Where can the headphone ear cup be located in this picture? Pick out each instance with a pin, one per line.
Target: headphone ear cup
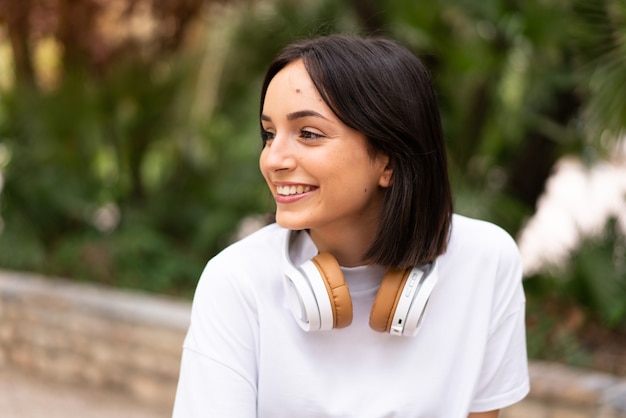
(387, 299)
(337, 288)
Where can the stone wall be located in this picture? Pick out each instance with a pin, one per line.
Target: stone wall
(131, 342)
(558, 391)
(92, 335)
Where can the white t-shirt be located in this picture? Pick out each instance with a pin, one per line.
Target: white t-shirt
(245, 355)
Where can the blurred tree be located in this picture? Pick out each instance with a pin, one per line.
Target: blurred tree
(100, 180)
(94, 33)
(15, 16)
(139, 157)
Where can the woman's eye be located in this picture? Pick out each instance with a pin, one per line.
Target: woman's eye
(305, 134)
(266, 136)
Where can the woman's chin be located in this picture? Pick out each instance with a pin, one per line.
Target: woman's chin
(290, 222)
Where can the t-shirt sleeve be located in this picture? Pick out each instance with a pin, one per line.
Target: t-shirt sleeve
(504, 375)
(218, 366)
(207, 388)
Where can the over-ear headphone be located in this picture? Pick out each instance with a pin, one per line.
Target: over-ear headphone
(319, 298)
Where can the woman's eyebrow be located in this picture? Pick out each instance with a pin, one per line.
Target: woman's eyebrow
(297, 115)
(304, 114)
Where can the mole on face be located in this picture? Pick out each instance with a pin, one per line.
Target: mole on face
(298, 91)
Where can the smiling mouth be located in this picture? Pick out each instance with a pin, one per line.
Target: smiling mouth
(292, 190)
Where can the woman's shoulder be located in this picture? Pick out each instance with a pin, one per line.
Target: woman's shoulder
(475, 235)
(246, 263)
(263, 244)
(487, 257)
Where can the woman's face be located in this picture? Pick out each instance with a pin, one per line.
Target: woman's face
(318, 169)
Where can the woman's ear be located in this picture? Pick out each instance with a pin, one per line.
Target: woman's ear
(385, 177)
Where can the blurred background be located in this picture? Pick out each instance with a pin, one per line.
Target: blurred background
(129, 139)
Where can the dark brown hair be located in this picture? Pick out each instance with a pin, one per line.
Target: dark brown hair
(380, 88)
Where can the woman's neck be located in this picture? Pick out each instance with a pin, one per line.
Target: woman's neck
(348, 246)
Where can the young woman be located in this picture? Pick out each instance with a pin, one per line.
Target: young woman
(367, 297)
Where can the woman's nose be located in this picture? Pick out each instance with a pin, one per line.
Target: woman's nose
(278, 154)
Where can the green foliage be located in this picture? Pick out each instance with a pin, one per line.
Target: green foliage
(589, 292)
(599, 31)
(548, 335)
(596, 276)
(520, 84)
(118, 146)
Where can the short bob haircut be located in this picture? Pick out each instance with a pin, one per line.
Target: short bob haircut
(381, 89)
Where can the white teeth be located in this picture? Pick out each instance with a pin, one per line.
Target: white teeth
(290, 190)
